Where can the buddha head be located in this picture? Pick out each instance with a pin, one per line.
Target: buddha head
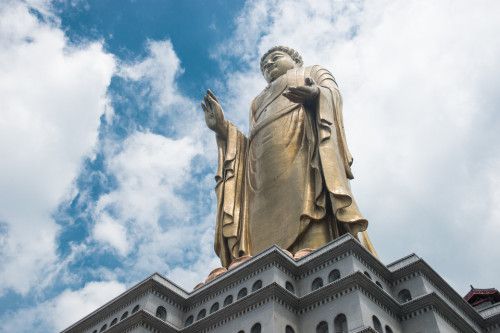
(277, 61)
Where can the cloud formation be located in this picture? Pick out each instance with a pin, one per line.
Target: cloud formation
(153, 215)
(51, 98)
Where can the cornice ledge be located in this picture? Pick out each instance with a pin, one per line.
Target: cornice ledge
(354, 281)
(110, 307)
(430, 274)
(271, 255)
(493, 319)
(272, 291)
(364, 330)
(442, 307)
(122, 300)
(337, 247)
(144, 319)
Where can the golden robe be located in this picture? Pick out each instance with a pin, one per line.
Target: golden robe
(287, 183)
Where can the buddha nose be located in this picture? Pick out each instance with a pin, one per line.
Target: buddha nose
(268, 63)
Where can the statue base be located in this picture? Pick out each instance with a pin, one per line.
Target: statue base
(339, 287)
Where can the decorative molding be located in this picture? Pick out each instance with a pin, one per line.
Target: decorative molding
(445, 301)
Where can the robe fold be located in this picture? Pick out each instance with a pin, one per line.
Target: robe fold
(288, 182)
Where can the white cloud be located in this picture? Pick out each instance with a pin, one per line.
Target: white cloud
(159, 70)
(152, 215)
(150, 169)
(63, 310)
(51, 98)
(109, 231)
(419, 110)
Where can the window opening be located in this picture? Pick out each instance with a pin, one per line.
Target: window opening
(257, 285)
(214, 307)
(340, 323)
(189, 321)
(322, 327)
(376, 324)
(242, 293)
(317, 283)
(228, 300)
(161, 313)
(404, 296)
(334, 275)
(256, 328)
(201, 314)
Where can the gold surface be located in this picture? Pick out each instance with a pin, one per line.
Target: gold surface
(287, 183)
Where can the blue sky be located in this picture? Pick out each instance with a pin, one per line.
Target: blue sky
(107, 165)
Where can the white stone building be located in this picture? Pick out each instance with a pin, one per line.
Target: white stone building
(340, 287)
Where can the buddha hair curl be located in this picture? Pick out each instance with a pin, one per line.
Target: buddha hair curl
(291, 52)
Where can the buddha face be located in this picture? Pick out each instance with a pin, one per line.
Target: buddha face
(276, 64)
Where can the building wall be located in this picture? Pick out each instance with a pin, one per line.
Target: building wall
(175, 315)
(282, 317)
(344, 265)
(424, 323)
(360, 301)
(141, 303)
(369, 271)
(348, 304)
(369, 308)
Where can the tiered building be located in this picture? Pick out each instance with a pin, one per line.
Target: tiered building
(340, 287)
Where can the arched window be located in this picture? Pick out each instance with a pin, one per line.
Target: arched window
(95, 331)
(289, 329)
(161, 313)
(289, 287)
(103, 328)
(322, 327)
(367, 274)
(242, 293)
(256, 328)
(334, 275)
(201, 314)
(189, 321)
(388, 329)
(376, 325)
(241, 331)
(114, 321)
(257, 285)
(317, 283)
(379, 284)
(228, 300)
(135, 309)
(404, 296)
(340, 323)
(125, 315)
(214, 307)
